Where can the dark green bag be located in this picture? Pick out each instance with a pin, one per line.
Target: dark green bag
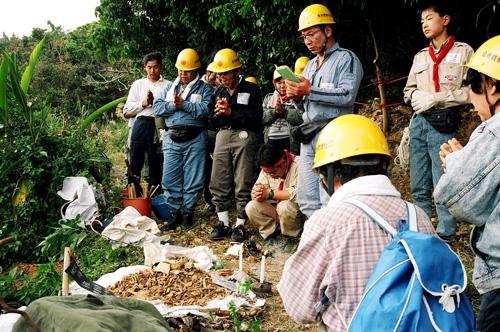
(92, 313)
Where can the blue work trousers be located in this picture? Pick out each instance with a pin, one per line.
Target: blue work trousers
(426, 170)
(184, 171)
(310, 195)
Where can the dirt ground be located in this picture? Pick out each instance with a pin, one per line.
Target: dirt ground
(274, 316)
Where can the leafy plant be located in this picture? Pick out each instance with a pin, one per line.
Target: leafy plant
(20, 288)
(38, 150)
(233, 315)
(70, 233)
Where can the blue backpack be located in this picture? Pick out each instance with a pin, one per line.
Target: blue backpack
(417, 285)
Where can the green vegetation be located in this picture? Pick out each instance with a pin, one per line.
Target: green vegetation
(53, 124)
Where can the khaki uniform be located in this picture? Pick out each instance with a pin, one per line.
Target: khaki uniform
(263, 214)
(451, 73)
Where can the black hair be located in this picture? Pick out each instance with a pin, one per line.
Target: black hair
(345, 173)
(269, 154)
(475, 81)
(442, 7)
(151, 57)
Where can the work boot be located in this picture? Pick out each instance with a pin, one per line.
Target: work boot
(239, 234)
(175, 220)
(220, 232)
(187, 221)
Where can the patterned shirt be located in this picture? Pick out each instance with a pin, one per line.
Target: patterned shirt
(338, 251)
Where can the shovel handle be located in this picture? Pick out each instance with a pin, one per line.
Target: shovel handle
(7, 240)
(129, 168)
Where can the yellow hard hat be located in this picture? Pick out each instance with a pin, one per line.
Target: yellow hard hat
(277, 75)
(300, 65)
(252, 80)
(348, 136)
(226, 60)
(188, 59)
(315, 15)
(210, 66)
(487, 58)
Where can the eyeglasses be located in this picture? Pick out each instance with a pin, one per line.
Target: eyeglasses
(224, 74)
(322, 182)
(275, 170)
(309, 36)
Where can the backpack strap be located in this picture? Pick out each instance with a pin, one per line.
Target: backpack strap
(379, 220)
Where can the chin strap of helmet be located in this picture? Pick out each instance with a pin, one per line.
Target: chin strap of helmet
(330, 179)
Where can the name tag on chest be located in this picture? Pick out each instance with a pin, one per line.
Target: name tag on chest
(453, 57)
(243, 98)
(195, 99)
(326, 86)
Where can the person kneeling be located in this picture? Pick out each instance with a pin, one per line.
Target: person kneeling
(274, 208)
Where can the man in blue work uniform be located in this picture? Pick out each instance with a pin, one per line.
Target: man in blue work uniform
(184, 105)
(328, 89)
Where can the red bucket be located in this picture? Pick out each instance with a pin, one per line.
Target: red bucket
(123, 194)
(142, 205)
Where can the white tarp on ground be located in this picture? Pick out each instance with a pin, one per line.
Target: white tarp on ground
(112, 278)
(201, 255)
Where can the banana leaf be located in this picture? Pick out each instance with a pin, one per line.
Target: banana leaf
(26, 79)
(4, 70)
(101, 110)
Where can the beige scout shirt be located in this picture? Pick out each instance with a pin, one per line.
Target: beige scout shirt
(290, 182)
(451, 73)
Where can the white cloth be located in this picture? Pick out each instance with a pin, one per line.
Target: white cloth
(7, 321)
(366, 185)
(81, 198)
(129, 227)
(112, 278)
(170, 93)
(202, 255)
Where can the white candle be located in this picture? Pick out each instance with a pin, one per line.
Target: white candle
(262, 264)
(241, 257)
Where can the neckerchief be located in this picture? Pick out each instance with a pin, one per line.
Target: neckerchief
(437, 60)
(289, 158)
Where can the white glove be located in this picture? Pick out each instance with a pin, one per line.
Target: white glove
(421, 101)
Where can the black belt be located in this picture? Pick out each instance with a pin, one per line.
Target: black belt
(146, 118)
(186, 127)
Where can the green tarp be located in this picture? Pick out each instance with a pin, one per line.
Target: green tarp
(92, 313)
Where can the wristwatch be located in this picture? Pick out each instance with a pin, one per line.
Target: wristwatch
(271, 194)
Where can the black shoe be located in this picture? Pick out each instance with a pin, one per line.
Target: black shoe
(175, 220)
(239, 234)
(187, 221)
(220, 232)
(448, 239)
(276, 232)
